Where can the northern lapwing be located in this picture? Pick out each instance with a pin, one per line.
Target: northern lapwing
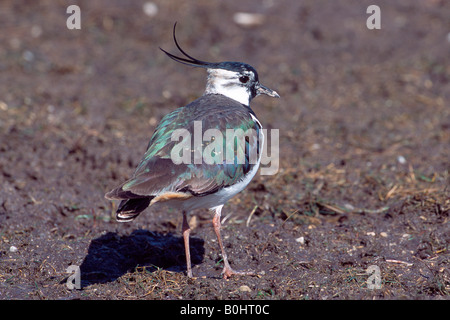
(190, 185)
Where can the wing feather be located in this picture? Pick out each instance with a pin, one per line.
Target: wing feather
(157, 173)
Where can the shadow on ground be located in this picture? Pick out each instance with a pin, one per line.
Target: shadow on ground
(111, 255)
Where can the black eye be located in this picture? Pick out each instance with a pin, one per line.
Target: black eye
(243, 79)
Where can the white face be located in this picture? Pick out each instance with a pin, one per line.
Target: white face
(231, 84)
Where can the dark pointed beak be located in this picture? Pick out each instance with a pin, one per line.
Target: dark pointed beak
(260, 89)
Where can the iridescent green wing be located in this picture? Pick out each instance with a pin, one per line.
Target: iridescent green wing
(157, 172)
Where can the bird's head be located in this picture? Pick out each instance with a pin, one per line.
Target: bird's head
(236, 80)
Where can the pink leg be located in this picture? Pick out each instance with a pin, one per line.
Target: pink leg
(186, 230)
(227, 271)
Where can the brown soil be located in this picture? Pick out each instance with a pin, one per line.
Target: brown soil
(364, 124)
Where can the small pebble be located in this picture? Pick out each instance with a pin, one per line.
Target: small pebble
(401, 159)
(245, 288)
(300, 240)
(383, 234)
(150, 9)
(28, 56)
(248, 19)
(13, 249)
(36, 31)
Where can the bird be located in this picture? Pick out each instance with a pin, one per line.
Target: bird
(191, 185)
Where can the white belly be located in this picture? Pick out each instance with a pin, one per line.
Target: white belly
(220, 197)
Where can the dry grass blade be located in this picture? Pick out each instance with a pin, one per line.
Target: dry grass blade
(250, 215)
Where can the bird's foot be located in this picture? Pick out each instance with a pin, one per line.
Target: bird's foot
(228, 272)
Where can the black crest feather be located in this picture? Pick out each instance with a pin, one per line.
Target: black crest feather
(190, 61)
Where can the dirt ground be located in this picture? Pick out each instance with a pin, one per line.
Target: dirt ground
(363, 178)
